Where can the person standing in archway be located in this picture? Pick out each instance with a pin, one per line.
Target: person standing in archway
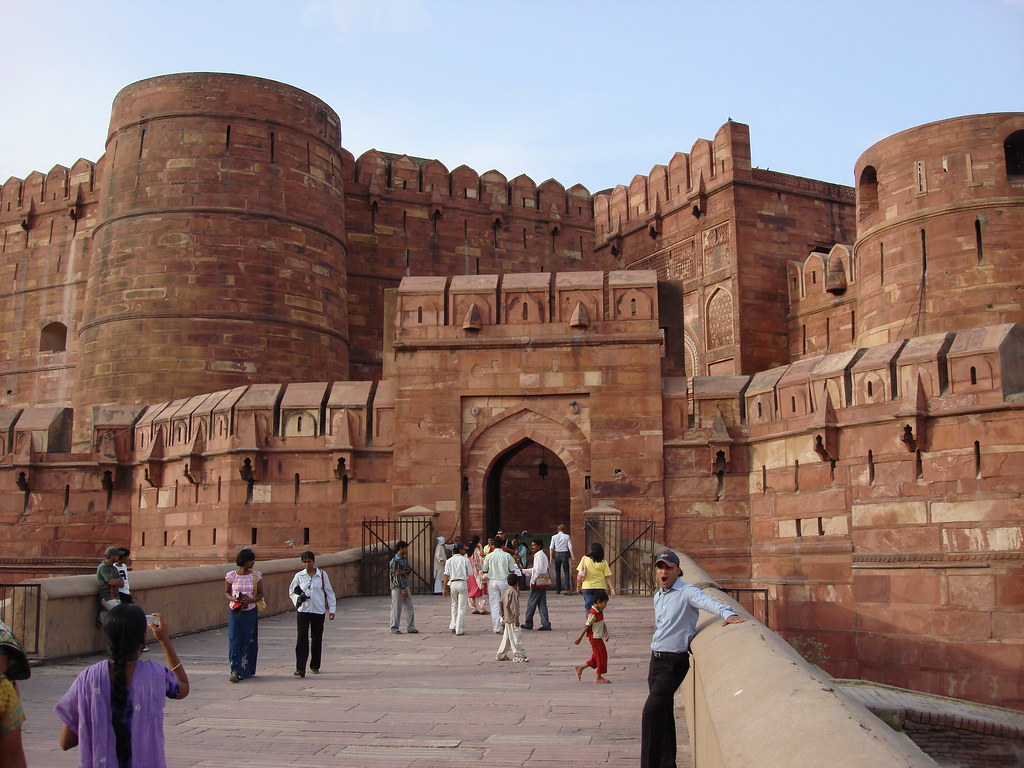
(540, 580)
(562, 555)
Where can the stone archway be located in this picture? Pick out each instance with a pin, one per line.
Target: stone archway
(509, 442)
(527, 490)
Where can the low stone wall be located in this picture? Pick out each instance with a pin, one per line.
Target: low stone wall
(751, 700)
(190, 599)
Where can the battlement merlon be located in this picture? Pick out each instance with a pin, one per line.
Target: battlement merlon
(526, 305)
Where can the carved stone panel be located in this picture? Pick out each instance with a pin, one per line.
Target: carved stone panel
(717, 243)
(682, 265)
(719, 320)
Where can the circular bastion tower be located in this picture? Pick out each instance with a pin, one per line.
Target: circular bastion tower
(940, 209)
(219, 255)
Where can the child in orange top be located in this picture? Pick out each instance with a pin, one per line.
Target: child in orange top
(596, 629)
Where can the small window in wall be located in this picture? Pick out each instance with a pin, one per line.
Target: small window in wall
(305, 537)
(1014, 150)
(867, 191)
(920, 178)
(253, 542)
(53, 338)
(977, 242)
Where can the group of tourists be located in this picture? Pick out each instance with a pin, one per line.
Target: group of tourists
(114, 709)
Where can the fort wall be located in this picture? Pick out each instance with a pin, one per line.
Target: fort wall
(198, 267)
(940, 213)
(46, 222)
(412, 216)
(724, 231)
(229, 331)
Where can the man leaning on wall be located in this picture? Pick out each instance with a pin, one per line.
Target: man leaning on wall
(108, 581)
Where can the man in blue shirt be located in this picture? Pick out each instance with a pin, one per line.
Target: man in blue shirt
(676, 606)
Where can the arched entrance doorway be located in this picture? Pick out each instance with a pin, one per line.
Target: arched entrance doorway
(527, 490)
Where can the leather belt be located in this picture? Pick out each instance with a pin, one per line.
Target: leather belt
(667, 654)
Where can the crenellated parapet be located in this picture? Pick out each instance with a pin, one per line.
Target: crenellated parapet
(683, 183)
(405, 179)
(36, 200)
(494, 306)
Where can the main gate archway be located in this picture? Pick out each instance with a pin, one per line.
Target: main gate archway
(527, 490)
(515, 443)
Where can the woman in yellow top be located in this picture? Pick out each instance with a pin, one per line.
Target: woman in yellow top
(594, 575)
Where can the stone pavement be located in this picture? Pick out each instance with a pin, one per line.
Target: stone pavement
(430, 699)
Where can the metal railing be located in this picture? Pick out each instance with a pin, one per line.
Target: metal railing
(379, 537)
(19, 610)
(628, 546)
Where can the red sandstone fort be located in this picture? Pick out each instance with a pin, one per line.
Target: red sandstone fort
(229, 331)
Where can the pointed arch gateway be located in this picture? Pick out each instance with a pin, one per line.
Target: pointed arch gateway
(507, 486)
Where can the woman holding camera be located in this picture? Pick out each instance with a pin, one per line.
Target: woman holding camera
(244, 588)
(114, 711)
(312, 595)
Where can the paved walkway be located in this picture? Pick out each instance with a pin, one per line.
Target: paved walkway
(430, 699)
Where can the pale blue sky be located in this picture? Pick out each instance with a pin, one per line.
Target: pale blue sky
(583, 92)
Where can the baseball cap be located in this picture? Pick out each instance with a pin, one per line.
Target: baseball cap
(668, 556)
(459, 546)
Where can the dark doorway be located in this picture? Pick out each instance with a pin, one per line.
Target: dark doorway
(527, 490)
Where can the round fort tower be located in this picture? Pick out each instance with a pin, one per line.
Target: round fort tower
(219, 256)
(940, 209)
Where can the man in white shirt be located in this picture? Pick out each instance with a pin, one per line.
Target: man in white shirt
(122, 564)
(498, 565)
(313, 596)
(562, 556)
(457, 570)
(538, 599)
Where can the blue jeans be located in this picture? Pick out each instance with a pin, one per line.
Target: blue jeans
(243, 642)
(562, 564)
(588, 598)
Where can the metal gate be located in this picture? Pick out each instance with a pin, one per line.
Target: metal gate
(628, 548)
(379, 538)
(19, 610)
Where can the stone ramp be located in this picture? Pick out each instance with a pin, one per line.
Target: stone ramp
(430, 699)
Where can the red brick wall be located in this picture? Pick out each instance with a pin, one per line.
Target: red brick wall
(219, 252)
(939, 189)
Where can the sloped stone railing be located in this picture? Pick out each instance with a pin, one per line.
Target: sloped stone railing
(752, 700)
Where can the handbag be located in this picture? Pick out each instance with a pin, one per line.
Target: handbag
(543, 580)
(261, 601)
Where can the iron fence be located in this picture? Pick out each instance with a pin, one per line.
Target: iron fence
(379, 539)
(628, 548)
(19, 610)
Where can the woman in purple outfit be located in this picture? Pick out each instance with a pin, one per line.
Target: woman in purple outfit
(114, 711)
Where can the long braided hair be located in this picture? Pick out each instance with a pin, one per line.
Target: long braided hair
(125, 630)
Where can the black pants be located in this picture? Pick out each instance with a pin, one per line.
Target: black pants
(309, 624)
(658, 725)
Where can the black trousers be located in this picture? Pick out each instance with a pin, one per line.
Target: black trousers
(658, 725)
(309, 624)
